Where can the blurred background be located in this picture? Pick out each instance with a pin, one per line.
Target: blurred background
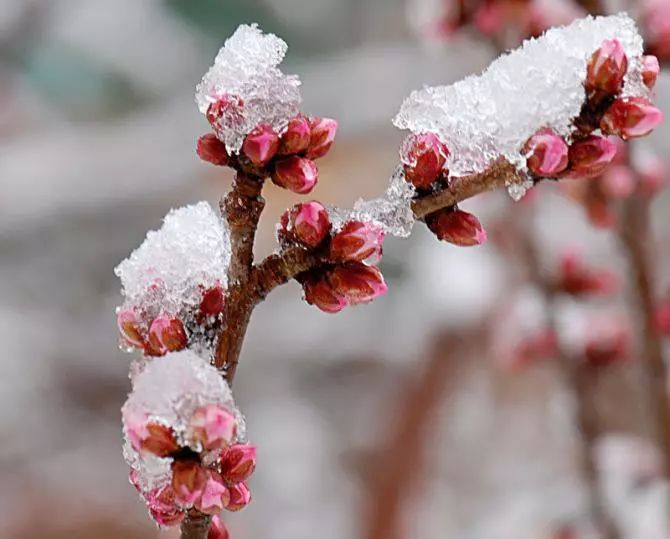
(402, 419)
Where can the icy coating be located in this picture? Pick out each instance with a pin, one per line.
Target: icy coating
(540, 84)
(245, 71)
(169, 390)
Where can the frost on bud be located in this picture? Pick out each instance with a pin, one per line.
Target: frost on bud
(297, 136)
(240, 496)
(238, 462)
(607, 68)
(213, 301)
(212, 150)
(423, 157)
(358, 282)
(320, 293)
(607, 344)
(163, 507)
(150, 436)
(188, 481)
(576, 279)
(296, 174)
(218, 529)
(128, 327)
(167, 335)
(650, 70)
(215, 495)
(457, 227)
(322, 136)
(590, 156)
(548, 154)
(212, 427)
(631, 117)
(261, 145)
(308, 223)
(357, 241)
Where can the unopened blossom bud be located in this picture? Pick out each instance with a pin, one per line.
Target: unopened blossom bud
(576, 279)
(238, 462)
(618, 181)
(261, 145)
(320, 293)
(357, 241)
(151, 436)
(163, 507)
(607, 68)
(240, 496)
(215, 495)
(322, 136)
(297, 136)
(188, 481)
(424, 157)
(650, 70)
(457, 227)
(127, 322)
(217, 529)
(358, 282)
(662, 318)
(631, 117)
(213, 427)
(307, 222)
(167, 335)
(590, 156)
(213, 301)
(212, 150)
(297, 174)
(548, 154)
(607, 345)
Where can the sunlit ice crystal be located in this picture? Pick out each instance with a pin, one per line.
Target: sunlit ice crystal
(245, 70)
(168, 391)
(539, 85)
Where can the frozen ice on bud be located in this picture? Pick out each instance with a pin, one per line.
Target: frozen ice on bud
(127, 322)
(213, 427)
(307, 222)
(577, 279)
(320, 293)
(662, 318)
(237, 463)
(358, 282)
(150, 436)
(167, 335)
(218, 529)
(322, 136)
(650, 70)
(297, 174)
(213, 301)
(240, 496)
(297, 136)
(547, 154)
(356, 241)
(215, 495)
(607, 68)
(261, 145)
(163, 507)
(212, 150)
(456, 226)
(590, 156)
(631, 117)
(189, 479)
(423, 157)
(608, 342)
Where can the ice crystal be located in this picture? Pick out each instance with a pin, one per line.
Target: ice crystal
(540, 84)
(245, 72)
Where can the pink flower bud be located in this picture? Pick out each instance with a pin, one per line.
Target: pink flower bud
(261, 145)
(215, 495)
(307, 222)
(356, 241)
(590, 156)
(424, 157)
(129, 328)
(212, 150)
(358, 282)
(188, 481)
(240, 496)
(323, 132)
(163, 507)
(218, 529)
(213, 301)
(238, 462)
(167, 335)
(607, 68)
(607, 344)
(548, 154)
(618, 181)
(457, 227)
(650, 70)
(320, 293)
(212, 427)
(296, 174)
(662, 318)
(576, 279)
(297, 136)
(631, 117)
(150, 436)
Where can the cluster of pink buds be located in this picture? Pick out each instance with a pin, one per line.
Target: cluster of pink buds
(577, 279)
(208, 470)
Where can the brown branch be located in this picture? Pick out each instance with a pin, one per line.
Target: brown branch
(195, 525)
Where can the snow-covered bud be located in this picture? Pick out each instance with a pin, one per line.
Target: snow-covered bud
(307, 222)
(213, 301)
(238, 462)
(607, 344)
(215, 495)
(240, 496)
(576, 279)
(297, 136)
(548, 154)
(213, 427)
(424, 157)
(590, 156)
(163, 507)
(218, 529)
(226, 109)
(129, 329)
(457, 227)
(358, 282)
(212, 150)
(188, 481)
(650, 70)
(297, 174)
(607, 68)
(151, 436)
(357, 241)
(167, 335)
(322, 136)
(320, 293)
(631, 117)
(662, 318)
(261, 145)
